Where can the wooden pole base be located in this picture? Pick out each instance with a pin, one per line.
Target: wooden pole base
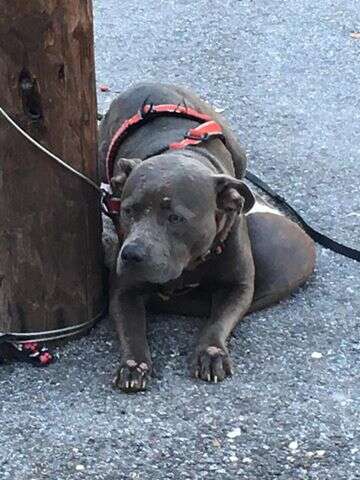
(50, 232)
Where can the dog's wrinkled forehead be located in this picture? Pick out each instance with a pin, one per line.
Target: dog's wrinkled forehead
(173, 180)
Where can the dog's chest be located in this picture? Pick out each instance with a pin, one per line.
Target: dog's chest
(166, 292)
(182, 285)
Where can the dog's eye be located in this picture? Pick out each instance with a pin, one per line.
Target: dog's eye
(175, 219)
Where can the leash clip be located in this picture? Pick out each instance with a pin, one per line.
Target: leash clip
(110, 204)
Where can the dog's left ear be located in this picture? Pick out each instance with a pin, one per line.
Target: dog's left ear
(233, 195)
(122, 169)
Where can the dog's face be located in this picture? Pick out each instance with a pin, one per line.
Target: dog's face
(170, 213)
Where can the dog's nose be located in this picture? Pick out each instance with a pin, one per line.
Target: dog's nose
(133, 253)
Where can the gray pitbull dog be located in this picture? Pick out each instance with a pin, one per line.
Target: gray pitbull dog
(189, 239)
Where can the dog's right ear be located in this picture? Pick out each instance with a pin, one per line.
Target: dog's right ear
(122, 169)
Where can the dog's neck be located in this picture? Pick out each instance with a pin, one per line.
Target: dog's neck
(225, 225)
(201, 154)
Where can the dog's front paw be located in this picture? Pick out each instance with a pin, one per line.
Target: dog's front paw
(211, 364)
(132, 376)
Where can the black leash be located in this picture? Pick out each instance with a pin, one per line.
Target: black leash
(318, 237)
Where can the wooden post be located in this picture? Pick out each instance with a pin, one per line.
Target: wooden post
(50, 240)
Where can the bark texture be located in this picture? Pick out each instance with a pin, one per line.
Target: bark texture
(50, 238)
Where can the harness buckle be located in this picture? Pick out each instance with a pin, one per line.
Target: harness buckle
(204, 131)
(192, 135)
(110, 205)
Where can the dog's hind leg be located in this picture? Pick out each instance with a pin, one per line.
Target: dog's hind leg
(284, 257)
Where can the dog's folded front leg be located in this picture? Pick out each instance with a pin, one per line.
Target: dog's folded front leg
(128, 311)
(211, 360)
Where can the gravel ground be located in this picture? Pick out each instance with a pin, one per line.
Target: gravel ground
(287, 76)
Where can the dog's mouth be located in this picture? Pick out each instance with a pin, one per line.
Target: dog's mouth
(152, 272)
(158, 263)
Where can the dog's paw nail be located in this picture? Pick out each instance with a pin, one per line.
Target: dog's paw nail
(212, 364)
(132, 376)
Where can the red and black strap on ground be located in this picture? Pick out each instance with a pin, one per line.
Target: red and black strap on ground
(30, 352)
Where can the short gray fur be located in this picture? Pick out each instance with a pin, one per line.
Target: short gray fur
(287, 75)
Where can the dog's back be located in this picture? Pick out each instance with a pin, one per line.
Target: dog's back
(158, 132)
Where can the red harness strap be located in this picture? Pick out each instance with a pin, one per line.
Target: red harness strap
(199, 134)
(208, 129)
(205, 131)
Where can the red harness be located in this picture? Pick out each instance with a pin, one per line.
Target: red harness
(207, 130)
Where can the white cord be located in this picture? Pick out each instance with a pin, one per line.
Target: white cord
(50, 154)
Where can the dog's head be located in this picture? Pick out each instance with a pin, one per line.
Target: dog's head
(172, 210)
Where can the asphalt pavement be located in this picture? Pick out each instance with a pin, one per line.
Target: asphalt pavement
(286, 75)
